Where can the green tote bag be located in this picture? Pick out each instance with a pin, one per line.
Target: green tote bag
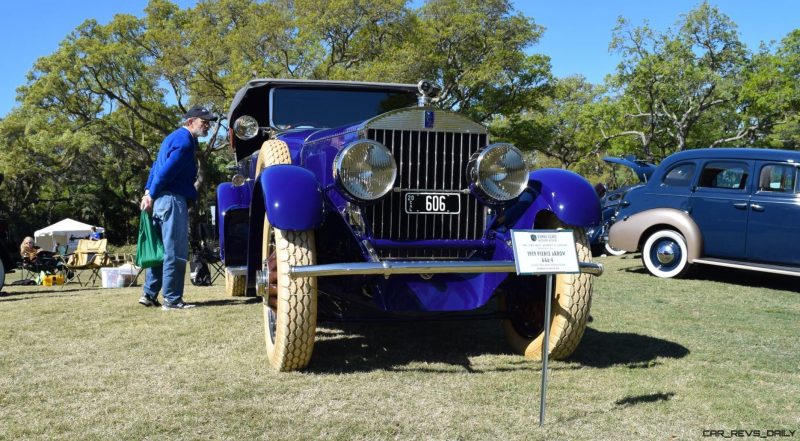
(149, 248)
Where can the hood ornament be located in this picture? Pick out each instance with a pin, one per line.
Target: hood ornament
(428, 90)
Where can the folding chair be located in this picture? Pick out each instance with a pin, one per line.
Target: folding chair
(209, 250)
(215, 266)
(90, 255)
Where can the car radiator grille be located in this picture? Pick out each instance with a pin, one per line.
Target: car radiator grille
(427, 161)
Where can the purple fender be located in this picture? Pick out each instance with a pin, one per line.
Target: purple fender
(292, 197)
(568, 195)
(229, 199)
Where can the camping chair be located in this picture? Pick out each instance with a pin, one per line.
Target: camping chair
(209, 257)
(45, 262)
(90, 255)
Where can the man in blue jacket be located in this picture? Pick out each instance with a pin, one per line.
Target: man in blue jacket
(169, 187)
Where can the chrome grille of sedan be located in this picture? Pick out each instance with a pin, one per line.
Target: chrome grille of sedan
(427, 161)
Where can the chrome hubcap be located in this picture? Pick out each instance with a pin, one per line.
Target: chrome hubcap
(262, 282)
(666, 253)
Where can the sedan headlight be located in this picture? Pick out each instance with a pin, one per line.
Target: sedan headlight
(365, 169)
(498, 172)
(245, 127)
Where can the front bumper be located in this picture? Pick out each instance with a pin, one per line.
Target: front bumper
(389, 268)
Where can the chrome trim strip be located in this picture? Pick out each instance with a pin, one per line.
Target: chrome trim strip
(387, 268)
(326, 138)
(766, 268)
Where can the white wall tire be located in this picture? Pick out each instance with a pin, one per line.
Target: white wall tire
(665, 254)
(570, 309)
(613, 251)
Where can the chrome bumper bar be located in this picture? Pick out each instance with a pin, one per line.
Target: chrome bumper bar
(389, 268)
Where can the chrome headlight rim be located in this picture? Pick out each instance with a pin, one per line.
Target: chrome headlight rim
(340, 175)
(246, 127)
(238, 180)
(497, 195)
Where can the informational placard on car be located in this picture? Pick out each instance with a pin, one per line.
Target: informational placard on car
(544, 251)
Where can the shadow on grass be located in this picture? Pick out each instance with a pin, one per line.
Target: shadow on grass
(39, 291)
(379, 346)
(639, 399)
(226, 302)
(364, 347)
(734, 276)
(605, 349)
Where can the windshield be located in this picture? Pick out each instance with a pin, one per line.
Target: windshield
(293, 107)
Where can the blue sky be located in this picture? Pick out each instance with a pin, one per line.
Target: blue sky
(576, 37)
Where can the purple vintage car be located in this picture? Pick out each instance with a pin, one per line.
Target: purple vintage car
(360, 200)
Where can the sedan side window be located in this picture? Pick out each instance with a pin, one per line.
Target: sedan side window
(724, 174)
(778, 178)
(680, 176)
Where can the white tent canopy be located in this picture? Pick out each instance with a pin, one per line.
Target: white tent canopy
(66, 231)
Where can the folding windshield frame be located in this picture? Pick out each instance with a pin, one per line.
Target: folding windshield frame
(336, 103)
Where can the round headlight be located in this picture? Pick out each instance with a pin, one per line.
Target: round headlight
(499, 172)
(366, 169)
(245, 127)
(238, 180)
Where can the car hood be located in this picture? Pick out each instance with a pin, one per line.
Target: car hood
(642, 168)
(410, 118)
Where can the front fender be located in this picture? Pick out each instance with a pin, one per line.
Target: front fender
(292, 197)
(232, 197)
(566, 194)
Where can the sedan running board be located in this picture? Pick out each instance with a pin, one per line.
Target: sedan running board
(751, 266)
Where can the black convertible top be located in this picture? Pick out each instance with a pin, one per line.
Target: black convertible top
(262, 83)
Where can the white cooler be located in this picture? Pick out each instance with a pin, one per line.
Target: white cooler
(111, 278)
(119, 277)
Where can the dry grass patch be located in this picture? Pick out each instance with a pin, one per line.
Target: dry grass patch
(661, 359)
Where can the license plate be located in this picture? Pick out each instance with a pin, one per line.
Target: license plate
(433, 203)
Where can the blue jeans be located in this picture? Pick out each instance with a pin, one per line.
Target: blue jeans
(171, 218)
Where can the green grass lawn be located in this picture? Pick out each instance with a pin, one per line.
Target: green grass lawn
(661, 359)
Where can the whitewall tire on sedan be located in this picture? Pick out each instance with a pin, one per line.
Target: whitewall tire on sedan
(665, 254)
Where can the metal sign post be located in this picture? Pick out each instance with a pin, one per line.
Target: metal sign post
(545, 252)
(545, 346)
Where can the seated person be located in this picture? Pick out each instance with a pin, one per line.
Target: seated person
(95, 235)
(37, 259)
(28, 250)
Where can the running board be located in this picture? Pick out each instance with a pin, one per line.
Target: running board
(763, 267)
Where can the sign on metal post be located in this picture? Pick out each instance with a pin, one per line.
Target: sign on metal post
(546, 252)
